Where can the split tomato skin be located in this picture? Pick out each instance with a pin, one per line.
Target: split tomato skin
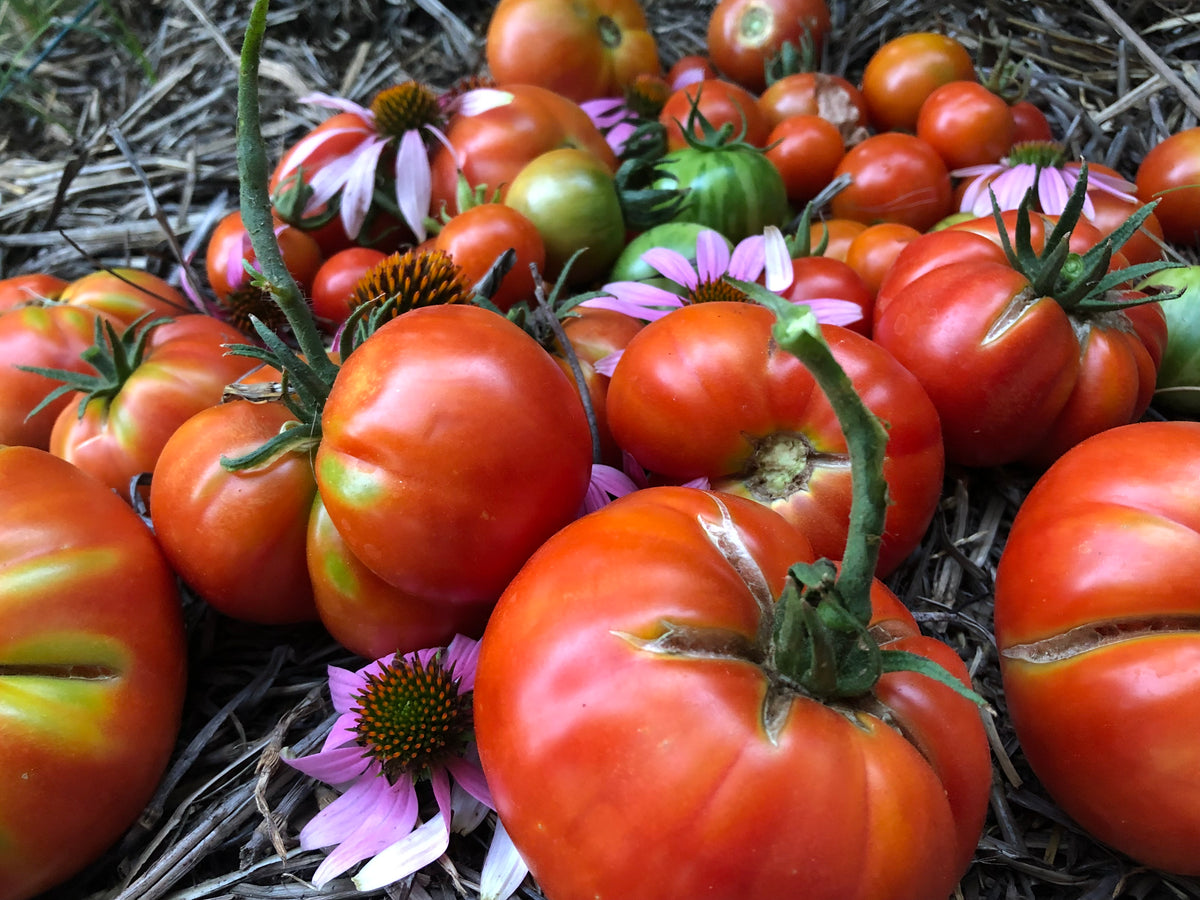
(608, 760)
(452, 446)
(1095, 623)
(85, 590)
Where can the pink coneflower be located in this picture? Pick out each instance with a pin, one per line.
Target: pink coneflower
(711, 279)
(1038, 165)
(403, 720)
(404, 117)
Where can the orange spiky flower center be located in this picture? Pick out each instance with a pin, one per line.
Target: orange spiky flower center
(717, 291)
(413, 279)
(405, 107)
(410, 717)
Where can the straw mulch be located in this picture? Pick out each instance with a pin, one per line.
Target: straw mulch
(117, 148)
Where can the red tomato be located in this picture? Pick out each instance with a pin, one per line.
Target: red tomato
(704, 392)
(905, 70)
(896, 177)
(229, 247)
(1095, 613)
(21, 290)
(582, 49)
(872, 252)
(626, 708)
(966, 124)
(816, 277)
(452, 432)
(126, 294)
(1110, 212)
(370, 617)
(1015, 375)
(476, 237)
(220, 527)
(721, 102)
(744, 35)
(689, 69)
(493, 146)
(46, 337)
(333, 285)
(1029, 123)
(185, 369)
(831, 97)
(92, 669)
(807, 151)
(1170, 173)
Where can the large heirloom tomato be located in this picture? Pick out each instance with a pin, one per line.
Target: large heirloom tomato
(92, 669)
(1020, 365)
(36, 287)
(582, 49)
(238, 538)
(744, 35)
(125, 294)
(1096, 612)
(1170, 174)
(453, 445)
(639, 742)
(705, 392)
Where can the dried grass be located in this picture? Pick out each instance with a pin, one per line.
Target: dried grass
(73, 128)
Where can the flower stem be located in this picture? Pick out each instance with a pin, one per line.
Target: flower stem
(256, 202)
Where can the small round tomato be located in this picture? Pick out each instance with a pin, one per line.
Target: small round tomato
(905, 70)
(92, 670)
(476, 237)
(229, 249)
(452, 433)
(704, 392)
(817, 277)
(489, 148)
(21, 290)
(582, 49)
(1029, 123)
(1170, 174)
(125, 294)
(1095, 618)
(722, 103)
(895, 177)
(689, 69)
(744, 35)
(218, 526)
(872, 252)
(834, 236)
(333, 284)
(807, 151)
(966, 124)
(571, 199)
(831, 97)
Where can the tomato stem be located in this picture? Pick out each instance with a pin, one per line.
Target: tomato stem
(256, 203)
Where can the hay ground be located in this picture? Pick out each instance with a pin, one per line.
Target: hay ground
(117, 148)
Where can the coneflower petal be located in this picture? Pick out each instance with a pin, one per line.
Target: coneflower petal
(414, 184)
(319, 98)
(360, 186)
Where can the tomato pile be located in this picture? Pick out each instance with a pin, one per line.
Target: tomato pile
(511, 360)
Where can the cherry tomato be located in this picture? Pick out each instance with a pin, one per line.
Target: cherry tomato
(1170, 174)
(21, 290)
(722, 103)
(905, 70)
(582, 49)
(229, 247)
(816, 277)
(626, 708)
(837, 234)
(688, 70)
(831, 97)
(1029, 123)
(743, 35)
(1095, 623)
(333, 284)
(872, 252)
(92, 670)
(966, 124)
(216, 525)
(476, 237)
(807, 151)
(703, 392)
(896, 177)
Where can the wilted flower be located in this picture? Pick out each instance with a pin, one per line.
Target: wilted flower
(404, 720)
(1037, 165)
